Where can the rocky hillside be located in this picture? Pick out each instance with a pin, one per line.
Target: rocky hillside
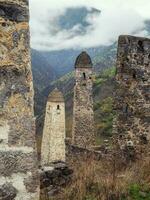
(42, 70)
(45, 74)
(103, 60)
(51, 65)
(103, 100)
(55, 68)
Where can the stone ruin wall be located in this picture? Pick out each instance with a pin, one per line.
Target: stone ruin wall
(132, 98)
(18, 164)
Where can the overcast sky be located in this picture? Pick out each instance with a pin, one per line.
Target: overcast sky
(117, 17)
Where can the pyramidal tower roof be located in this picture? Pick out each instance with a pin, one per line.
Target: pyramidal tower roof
(83, 61)
(56, 96)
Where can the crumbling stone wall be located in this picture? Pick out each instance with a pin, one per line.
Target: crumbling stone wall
(132, 98)
(83, 115)
(53, 141)
(76, 154)
(18, 163)
(55, 178)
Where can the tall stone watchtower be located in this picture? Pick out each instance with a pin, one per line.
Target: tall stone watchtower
(18, 156)
(132, 99)
(83, 115)
(53, 142)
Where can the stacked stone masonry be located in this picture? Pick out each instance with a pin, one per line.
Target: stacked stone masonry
(132, 99)
(18, 163)
(83, 115)
(53, 141)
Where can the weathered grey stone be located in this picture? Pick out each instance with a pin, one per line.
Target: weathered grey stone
(13, 12)
(7, 192)
(53, 179)
(83, 115)
(13, 162)
(52, 192)
(132, 98)
(76, 153)
(18, 157)
(83, 60)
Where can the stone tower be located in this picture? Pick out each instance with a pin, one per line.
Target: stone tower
(83, 115)
(53, 142)
(132, 99)
(18, 159)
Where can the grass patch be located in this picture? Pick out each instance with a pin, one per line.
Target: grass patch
(109, 179)
(104, 118)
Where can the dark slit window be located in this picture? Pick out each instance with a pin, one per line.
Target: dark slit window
(3, 24)
(84, 75)
(140, 46)
(134, 75)
(58, 107)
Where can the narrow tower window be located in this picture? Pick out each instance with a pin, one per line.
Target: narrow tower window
(140, 46)
(84, 75)
(3, 24)
(58, 107)
(134, 75)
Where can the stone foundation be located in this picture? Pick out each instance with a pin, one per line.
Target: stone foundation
(53, 178)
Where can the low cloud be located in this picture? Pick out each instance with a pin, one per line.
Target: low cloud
(113, 21)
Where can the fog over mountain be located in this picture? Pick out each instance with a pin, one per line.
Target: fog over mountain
(80, 24)
(61, 33)
(75, 22)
